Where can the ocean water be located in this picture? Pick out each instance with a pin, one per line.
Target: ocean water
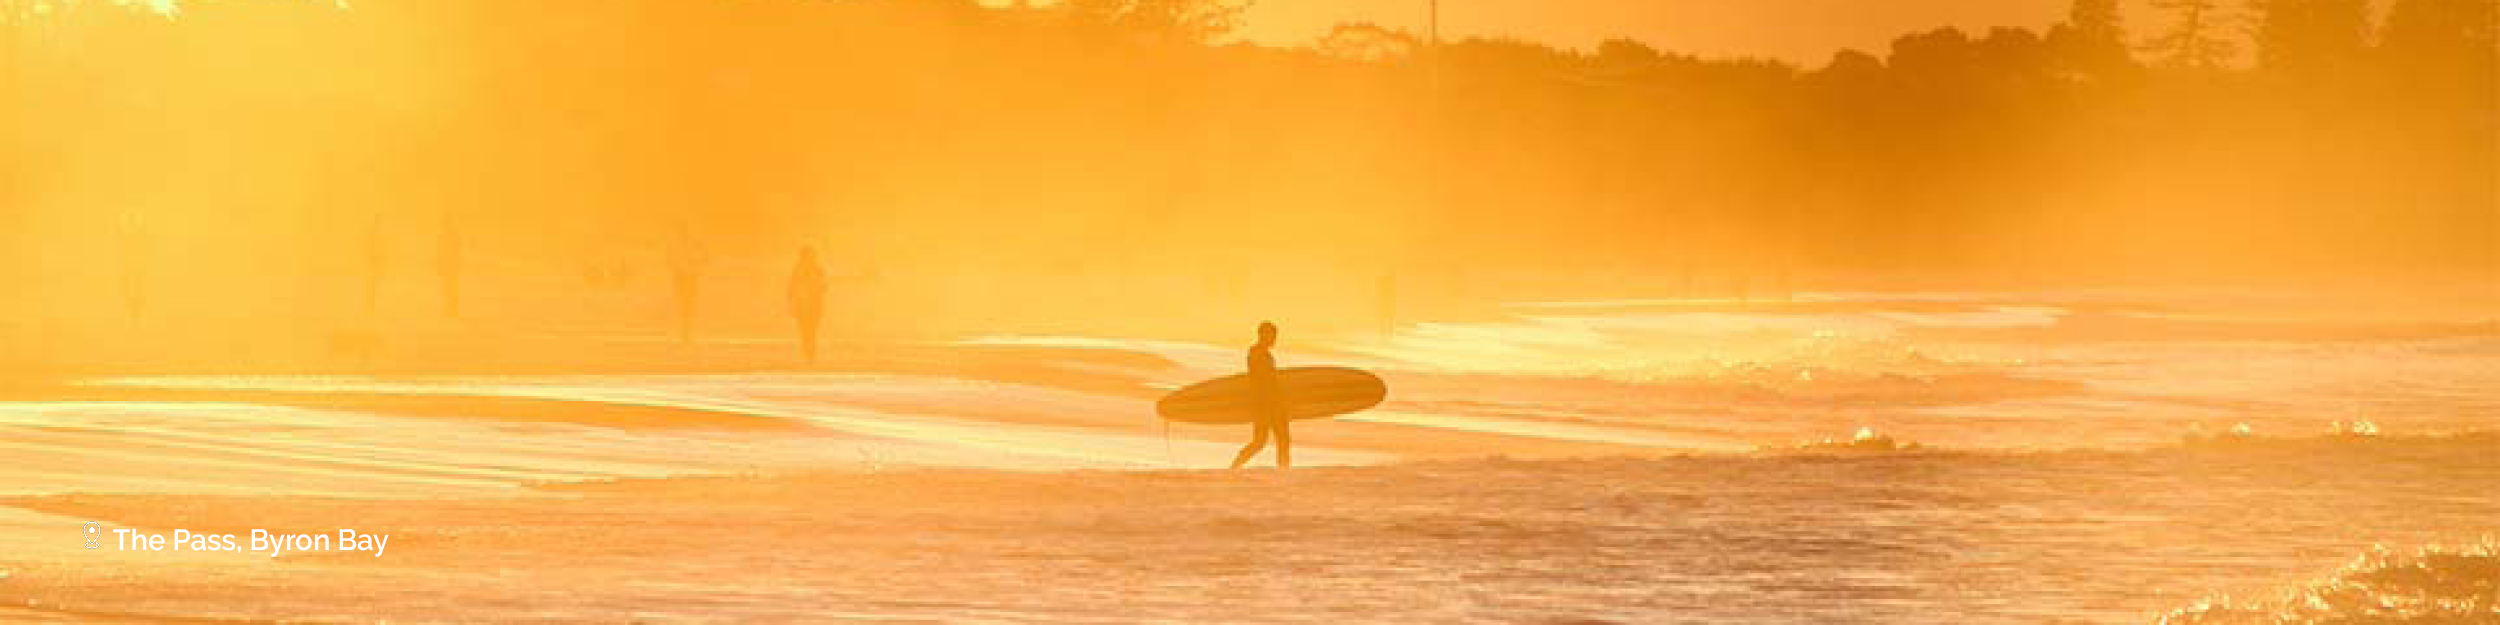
(2066, 537)
(1836, 458)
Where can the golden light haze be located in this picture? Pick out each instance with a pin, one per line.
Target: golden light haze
(1178, 311)
(247, 167)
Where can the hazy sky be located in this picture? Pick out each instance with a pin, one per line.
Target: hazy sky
(1806, 31)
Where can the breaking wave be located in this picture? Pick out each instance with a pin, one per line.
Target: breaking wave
(2432, 585)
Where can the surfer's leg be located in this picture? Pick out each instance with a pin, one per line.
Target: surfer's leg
(1284, 444)
(1258, 439)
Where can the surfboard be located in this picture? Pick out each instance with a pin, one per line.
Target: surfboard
(1309, 393)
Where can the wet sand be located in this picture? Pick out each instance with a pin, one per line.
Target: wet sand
(1902, 537)
(1609, 462)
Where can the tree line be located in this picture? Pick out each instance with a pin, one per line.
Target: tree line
(2221, 137)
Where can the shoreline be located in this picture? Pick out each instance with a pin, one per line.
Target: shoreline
(1719, 537)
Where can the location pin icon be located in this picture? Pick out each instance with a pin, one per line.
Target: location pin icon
(92, 532)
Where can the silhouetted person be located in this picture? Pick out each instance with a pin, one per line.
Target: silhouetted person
(806, 293)
(685, 264)
(447, 264)
(1269, 399)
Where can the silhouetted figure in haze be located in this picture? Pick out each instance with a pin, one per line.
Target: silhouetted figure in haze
(806, 293)
(1271, 403)
(685, 263)
(447, 264)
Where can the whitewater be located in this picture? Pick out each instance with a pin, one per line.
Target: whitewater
(1835, 457)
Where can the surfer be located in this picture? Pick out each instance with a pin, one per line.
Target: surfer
(807, 299)
(1271, 403)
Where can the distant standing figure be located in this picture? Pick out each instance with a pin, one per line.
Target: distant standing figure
(447, 264)
(806, 293)
(685, 263)
(1271, 403)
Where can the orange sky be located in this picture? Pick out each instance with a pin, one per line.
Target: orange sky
(1805, 31)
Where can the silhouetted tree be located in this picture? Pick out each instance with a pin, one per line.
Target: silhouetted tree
(2195, 40)
(1188, 21)
(1620, 51)
(2097, 21)
(1932, 61)
(2310, 37)
(1508, 56)
(1851, 62)
(2442, 54)
(2445, 33)
(1626, 153)
(2013, 58)
(1365, 41)
(2092, 43)
(2440, 69)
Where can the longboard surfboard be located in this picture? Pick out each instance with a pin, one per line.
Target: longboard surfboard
(1309, 393)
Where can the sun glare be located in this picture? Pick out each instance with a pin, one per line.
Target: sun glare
(1219, 311)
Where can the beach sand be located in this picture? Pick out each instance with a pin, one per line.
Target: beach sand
(1901, 537)
(1545, 467)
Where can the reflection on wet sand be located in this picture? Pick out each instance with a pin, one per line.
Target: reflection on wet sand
(2084, 537)
(1512, 475)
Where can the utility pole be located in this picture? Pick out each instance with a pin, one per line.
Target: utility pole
(1432, 46)
(1432, 23)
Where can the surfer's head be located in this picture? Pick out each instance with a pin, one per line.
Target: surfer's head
(1267, 332)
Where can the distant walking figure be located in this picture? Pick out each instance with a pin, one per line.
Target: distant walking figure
(447, 264)
(1271, 403)
(685, 263)
(807, 299)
